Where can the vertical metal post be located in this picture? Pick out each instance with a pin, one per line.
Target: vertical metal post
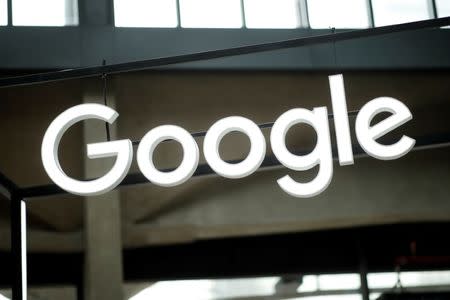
(18, 247)
(80, 287)
(364, 286)
(10, 17)
(303, 14)
(178, 13)
(111, 17)
(370, 13)
(363, 270)
(433, 9)
(244, 22)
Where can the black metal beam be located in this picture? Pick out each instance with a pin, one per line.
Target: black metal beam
(8, 184)
(214, 54)
(18, 247)
(315, 252)
(18, 238)
(96, 13)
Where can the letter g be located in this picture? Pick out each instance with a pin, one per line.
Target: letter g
(123, 149)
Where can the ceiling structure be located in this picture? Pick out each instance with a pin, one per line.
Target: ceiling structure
(210, 217)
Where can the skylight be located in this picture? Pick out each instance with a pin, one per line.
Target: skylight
(211, 13)
(338, 14)
(271, 13)
(3, 13)
(268, 287)
(443, 8)
(389, 12)
(45, 12)
(145, 13)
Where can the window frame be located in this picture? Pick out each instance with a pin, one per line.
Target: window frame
(303, 17)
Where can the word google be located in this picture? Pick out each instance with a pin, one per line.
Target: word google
(317, 118)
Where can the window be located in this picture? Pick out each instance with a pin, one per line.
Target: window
(45, 12)
(339, 282)
(209, 289)
(211, 13)
(388, 12)
(145, 13)
(3, 12)
(443, 8)
(273, 287)
(272, 13)
(409, 279)
(338, 14)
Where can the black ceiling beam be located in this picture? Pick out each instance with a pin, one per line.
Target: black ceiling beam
(214, 54)
(314, 252)
(8, 184)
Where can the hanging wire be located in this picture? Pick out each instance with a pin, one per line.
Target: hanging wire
(105, 101)
(333, 31)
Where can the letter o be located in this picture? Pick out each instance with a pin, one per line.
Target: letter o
(218, 131)
(188, 164)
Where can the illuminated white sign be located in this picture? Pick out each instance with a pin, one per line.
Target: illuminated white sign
(317, 118)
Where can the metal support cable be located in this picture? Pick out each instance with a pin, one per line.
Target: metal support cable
(105, 102)
(333, 31)
(214, 54)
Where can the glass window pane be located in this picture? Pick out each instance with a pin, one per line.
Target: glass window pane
(211, 13)
(145, 13)
(310, 283)
(409, 279)
(328, 297)
(443, 8)
(340, 282)
(45, 12)
(209, 289)
(3, 13)
(389, 12)
(2, 297)
(271, 13)
(338, 14)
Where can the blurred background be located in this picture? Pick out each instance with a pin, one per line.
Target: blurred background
(380, 231)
